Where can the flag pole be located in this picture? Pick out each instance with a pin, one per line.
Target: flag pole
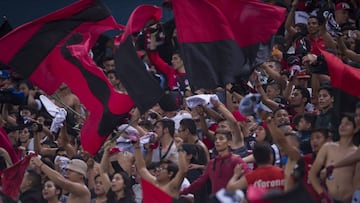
(57, 98)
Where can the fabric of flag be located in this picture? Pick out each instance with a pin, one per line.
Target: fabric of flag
(35, 54)
(142, 87)
(342, 76)
(221, 40)
(139, 17)
(107, 107)
(5, 27)
(6, 144)
(32, 50)
(153, 194)
(12, 177)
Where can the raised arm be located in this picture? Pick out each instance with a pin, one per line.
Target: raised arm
(65, 143)
(37, 145)
(290, 20)
(58, 179)
(238, 136)
(140, 165)
(204, 128)
(280, 138)
(104, 166)
(182, 164)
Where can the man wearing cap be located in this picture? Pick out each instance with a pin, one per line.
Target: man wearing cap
(342, 10)
(73, 182)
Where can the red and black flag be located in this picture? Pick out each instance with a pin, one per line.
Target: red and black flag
(35, 51)
(346, 94)
(142, 87)
(222, 40)
(108, 108)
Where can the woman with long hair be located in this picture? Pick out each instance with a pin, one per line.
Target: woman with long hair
(51, 192)
(121, 189)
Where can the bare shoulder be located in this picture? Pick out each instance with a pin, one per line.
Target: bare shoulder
(330, 145)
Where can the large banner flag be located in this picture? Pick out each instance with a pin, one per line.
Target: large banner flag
(220, 40)
(342, 76)
(107, 107)
(142, 87)
(35, 51)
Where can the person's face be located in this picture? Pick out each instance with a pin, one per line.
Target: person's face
(273, 66)
(324, 99)
(235, 102)
(357, 117)
(177, 62)
(109, 65)
(281, 116)
(303, 125)
(99, 186)
(250, 123)
(313, 26)
(159, 130)
(271, 92)
(24, 88)
(341, 16)
(223, 125)
(49, 191)
(296, 98)
(317, 140)
(221, 142)
(112, 78)
(25, 113)
(40, 120)
(260, 133)
(24, 135)
(72, 175)
(346, 127)
(182, 133)
(117, 183)
(161, 172)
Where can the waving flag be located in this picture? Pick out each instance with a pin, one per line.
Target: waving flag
(142, 87)
(33, 49)
(12, 177)
(37, 53)
(342, 75)
(222, 40)
(107, 107)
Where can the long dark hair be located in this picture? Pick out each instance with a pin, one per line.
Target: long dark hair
(129, 196)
